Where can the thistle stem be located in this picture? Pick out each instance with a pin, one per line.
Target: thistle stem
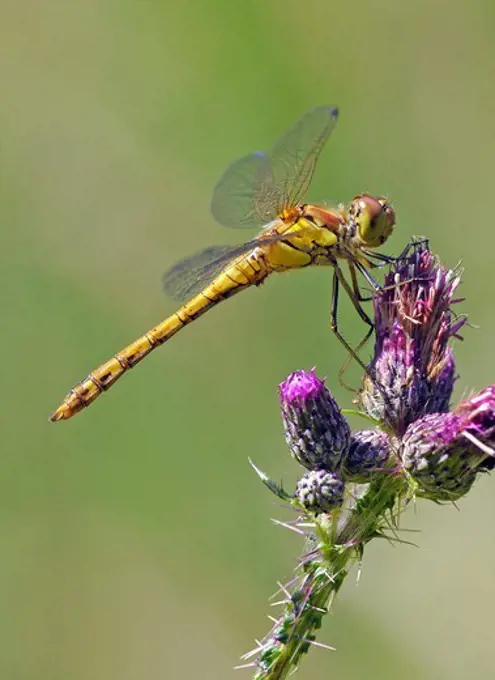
(340, 538)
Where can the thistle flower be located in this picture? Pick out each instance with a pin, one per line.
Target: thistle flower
(369, 452)
(320, 491)
(316, 432)
(412, 372)
(443, 452)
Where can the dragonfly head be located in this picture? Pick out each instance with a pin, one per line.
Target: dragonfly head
(374, 219)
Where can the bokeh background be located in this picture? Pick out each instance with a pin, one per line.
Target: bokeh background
(135, 541)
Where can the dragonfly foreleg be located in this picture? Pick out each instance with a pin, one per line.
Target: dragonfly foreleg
(390, 259)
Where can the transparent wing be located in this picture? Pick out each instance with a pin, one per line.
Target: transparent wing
(189, 276)
(295, 155)
(193, 273)
(257, 188)
(233, 203)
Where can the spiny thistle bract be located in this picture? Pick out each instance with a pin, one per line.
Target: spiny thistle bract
(369, 452)
(356, 485)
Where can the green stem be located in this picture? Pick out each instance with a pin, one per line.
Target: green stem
(340, 538)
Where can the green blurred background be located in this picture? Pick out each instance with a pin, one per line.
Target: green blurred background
(135, 541)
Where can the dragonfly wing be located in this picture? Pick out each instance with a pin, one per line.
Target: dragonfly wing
(257, 188)
(236, 198)
(296, 153)
(191, 275)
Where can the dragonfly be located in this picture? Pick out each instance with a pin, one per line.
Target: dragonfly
(263, 191)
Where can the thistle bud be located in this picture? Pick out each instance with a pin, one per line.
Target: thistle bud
(320, 491)
(316, 432)
(369, 452)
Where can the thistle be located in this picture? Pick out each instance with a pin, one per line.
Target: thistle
(320, 491)
(444, 451)
(356, 485)
(315, 431)
(412, 372)
(369, 452)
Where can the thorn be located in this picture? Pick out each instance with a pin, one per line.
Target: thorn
(284, 590)
(288, 526)
(322, 645)
(318, 644)
(289, 583)
(330, 577)
(251, 653)
(483, 447)
(307, 557)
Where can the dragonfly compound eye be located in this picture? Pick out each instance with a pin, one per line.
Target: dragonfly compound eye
(374, 219)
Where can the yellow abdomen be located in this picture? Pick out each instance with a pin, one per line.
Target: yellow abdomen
(240, 274)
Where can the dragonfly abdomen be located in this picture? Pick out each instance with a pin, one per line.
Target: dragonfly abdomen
(101, 379)
(241, 274)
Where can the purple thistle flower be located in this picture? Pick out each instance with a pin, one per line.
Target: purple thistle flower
(436, 454)
(369, 452)
(320, 491)
(412, 372)
(443, 452)
(316, 432)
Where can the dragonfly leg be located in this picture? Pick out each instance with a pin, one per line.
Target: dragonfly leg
(354, 295)
(370, 279)
(390, 259)
(357, 297)
(381, 258)
(414, 243)
(338, 279)
(373, 283)
(366, 274)
(355, 285)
